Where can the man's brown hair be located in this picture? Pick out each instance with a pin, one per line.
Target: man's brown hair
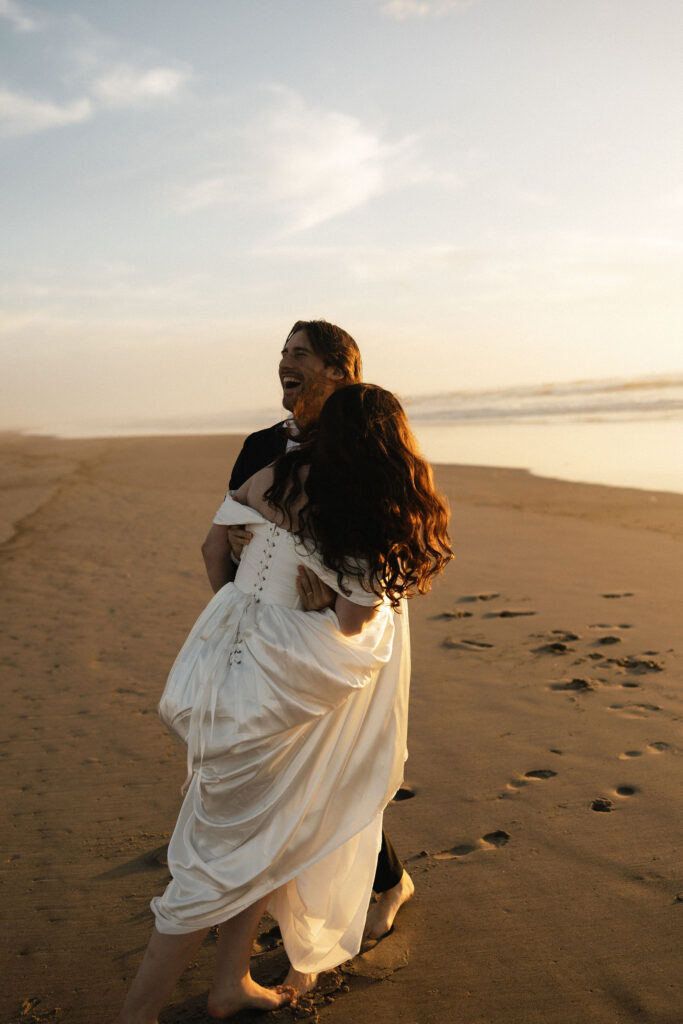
(334, 346)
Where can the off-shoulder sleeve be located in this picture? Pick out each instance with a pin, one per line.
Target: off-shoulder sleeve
(232, 513)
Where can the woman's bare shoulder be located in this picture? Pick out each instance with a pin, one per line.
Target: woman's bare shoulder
(252, 493)
(252, 490)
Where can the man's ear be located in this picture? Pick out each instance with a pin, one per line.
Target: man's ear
(335, 373)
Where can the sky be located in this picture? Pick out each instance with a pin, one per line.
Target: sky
(484, 193)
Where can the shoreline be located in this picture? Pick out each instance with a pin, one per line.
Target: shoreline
(508, 449)
(33, 466)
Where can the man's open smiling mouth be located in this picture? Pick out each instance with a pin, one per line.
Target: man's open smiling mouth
(289, 382)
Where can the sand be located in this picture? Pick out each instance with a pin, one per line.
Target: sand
(540, 817)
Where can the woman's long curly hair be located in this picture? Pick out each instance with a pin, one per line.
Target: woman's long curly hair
(369, 496)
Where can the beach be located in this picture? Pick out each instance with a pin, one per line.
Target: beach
(540, 813)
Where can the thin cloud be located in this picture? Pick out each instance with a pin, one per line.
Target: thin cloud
(15, 14)
(125, 86)
(24, 115)
(307, 163)
(88, 61)
(403, 9)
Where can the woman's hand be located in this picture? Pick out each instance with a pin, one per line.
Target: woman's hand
(313, 593)
(239, 536)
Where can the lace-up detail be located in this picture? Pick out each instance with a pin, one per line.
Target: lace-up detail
(264, 566)
(259, 576)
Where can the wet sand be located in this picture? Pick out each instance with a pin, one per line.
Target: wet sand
(540, 815)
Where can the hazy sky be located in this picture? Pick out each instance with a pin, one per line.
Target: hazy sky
(481, 191)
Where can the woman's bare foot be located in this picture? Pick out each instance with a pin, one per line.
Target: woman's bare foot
(382, 913)
(301, 983)
(247, 994)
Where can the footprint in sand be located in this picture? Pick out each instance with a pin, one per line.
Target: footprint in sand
(555, 647)
(268, 940)
(659, 746)
(498, 838)
(604, 625)
(535, 775)
(380, 961)
(460, 850)
(627, 754)
(637, 665)
(479, 597)
(576, 686)
(452, 615)
(626, 790)
(632, 710)
(509, 613)
(492, 840)
(625, 593)
(601, 804)
(560, 639)
(465, 645)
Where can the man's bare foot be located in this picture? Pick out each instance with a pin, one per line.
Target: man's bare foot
(382, 913)
(301, 983)
(247, 994)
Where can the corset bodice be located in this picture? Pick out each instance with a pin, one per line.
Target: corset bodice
(268, 567)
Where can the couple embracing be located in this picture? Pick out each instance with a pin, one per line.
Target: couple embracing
(291, 690)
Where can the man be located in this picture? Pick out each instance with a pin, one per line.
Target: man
(317, 358)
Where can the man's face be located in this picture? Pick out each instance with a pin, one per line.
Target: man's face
(302, 371)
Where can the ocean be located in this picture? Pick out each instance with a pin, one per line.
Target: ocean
(623, 432)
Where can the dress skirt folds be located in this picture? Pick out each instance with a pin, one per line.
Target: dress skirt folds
(295, 741)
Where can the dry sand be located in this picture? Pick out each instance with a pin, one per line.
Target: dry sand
(545, 767)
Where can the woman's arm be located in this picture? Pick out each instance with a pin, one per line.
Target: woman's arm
(352, 617)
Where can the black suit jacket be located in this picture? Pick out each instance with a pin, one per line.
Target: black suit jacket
(258, 450)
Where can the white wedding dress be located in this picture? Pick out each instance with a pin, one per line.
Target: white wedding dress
(296, 741)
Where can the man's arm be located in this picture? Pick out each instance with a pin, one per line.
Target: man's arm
(216, 551)
(258, 450)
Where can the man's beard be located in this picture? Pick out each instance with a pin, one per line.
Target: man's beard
(308, 404)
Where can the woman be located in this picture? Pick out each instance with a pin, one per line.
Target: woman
(295, 722)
